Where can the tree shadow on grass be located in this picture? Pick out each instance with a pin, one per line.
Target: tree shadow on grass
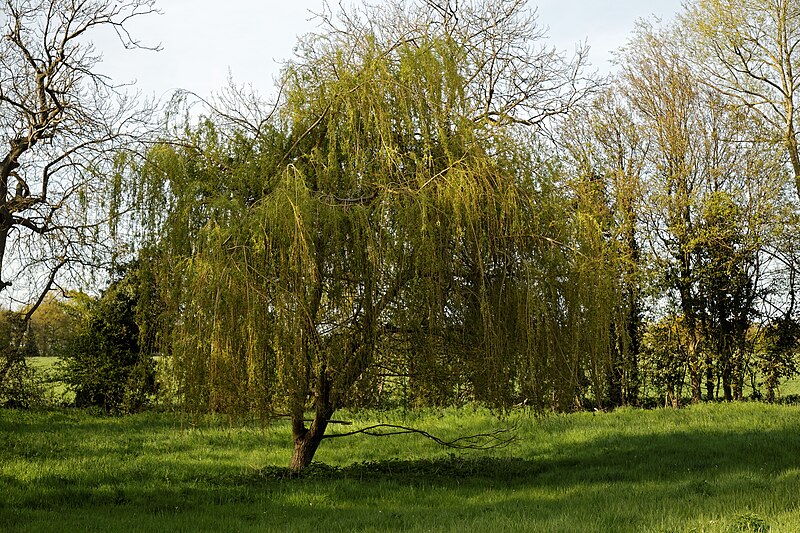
(660, 457)
(451, 467)
(658, 474)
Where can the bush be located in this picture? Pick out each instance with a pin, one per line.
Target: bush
(106, 366)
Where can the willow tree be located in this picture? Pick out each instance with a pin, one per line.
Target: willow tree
(383, 216)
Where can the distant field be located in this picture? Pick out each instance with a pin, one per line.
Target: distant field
(43, 363)
(790, 387)
(710, 468)
(55, 389)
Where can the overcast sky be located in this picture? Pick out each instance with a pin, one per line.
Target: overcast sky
(205, 40)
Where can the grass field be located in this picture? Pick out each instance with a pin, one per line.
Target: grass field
(790, 387)
(55, 391)
(716, 468)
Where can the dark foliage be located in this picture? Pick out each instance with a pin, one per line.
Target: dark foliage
(108, 366)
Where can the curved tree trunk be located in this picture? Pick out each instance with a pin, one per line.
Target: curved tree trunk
(307, 440)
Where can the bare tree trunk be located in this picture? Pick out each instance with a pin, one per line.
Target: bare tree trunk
(306, 441)
(792, 148)
(6, 168)
(695, 374)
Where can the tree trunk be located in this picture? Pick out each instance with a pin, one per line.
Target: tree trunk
(616, 375)
(738, 375)
(305, 447)
(634, 310)
(771, 382)
(632, 381)
(695, 370)
(792, 148)
(307, 440)
(697, 395)
(671, 400)
(710, 386)
(727, 389)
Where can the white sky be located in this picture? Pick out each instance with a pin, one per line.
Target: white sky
(205, 40)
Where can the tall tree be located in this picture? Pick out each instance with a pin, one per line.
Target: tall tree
(609, 153)
(727, 274)
(61, 123)
(749, 50)
(661, 89)
(385, 216)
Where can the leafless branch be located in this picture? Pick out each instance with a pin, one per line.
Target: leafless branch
(480, 441)
(62, 124)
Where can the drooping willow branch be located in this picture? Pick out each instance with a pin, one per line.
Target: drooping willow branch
(482, 441)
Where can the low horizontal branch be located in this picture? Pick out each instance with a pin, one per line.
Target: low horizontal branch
(481, 441)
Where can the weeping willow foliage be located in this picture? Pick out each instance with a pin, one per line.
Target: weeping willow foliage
(374, 240)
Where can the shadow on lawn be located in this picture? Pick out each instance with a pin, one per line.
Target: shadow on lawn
(662, 471)
(663, 457)
(671, 456)
(453, 466)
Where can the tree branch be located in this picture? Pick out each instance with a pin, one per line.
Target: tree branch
(481, 441)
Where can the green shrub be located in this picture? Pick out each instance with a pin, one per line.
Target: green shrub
(106, 366)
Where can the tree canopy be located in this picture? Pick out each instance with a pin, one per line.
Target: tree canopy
(387, 223)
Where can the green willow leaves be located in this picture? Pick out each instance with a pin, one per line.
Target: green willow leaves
(385, 231)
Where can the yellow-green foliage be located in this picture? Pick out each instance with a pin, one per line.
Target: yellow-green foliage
(376, 228)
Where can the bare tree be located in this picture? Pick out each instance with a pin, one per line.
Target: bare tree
(511, 74)
(514, 75)
(62, 123)
(62, 126)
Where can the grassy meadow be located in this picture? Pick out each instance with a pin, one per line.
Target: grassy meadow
(711, 467)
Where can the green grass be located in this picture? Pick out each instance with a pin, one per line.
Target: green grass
(790, 387)
(716, 468)
(55, 391)
(42, 363)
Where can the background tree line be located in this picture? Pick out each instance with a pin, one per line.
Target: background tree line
(440, 208)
